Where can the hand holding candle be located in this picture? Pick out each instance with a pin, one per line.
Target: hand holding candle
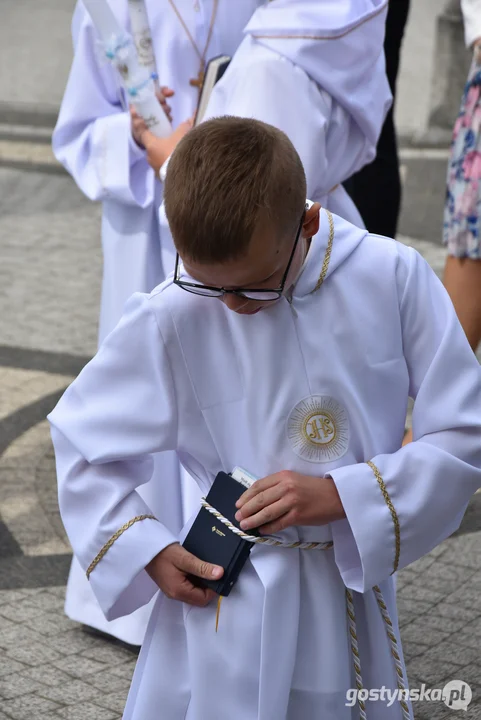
(137, 80)
(158, 149)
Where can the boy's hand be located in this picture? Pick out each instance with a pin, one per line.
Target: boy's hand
(162, 95)
(288, 498)
(169, 569)
(159, 149)
(138, 124)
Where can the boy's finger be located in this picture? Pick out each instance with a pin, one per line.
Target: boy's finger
(139, 124)
(266, 516)
(191, 564)
(200, 597)
(277, 526)
(256, 488)
(163, 93)
(262, 500)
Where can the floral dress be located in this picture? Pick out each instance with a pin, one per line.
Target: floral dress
(462, 212)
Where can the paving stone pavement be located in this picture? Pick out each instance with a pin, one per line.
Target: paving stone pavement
(50, 264)
(50, 667)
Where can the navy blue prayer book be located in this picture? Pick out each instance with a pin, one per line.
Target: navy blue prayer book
(210, 540)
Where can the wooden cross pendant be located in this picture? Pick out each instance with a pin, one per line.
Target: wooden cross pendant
(199, 80)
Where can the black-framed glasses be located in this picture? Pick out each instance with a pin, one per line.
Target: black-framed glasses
(261, 294)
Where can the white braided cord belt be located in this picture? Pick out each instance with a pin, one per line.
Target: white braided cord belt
(264, 540)
(351, 617)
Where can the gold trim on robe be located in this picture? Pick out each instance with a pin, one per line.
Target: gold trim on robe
(327, 256)
(320, 37)
(115, 537)
(395, 519)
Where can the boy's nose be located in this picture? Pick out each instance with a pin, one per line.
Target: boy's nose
(234, 302)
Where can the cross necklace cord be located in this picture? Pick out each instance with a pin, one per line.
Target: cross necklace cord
(198, 81)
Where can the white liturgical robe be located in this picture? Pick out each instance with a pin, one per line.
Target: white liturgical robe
(318, 384)
(93, 141)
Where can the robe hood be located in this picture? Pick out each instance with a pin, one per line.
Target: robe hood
(339, 44)
(334, 243)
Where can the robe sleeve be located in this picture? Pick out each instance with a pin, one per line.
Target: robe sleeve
(120, 409)
(93, 138)
(399, 506)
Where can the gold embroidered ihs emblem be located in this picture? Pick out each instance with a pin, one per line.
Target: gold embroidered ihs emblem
(318, 429)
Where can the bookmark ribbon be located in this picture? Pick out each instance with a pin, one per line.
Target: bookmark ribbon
(218, 613)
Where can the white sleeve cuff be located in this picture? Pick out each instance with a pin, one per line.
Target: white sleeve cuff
(364, 542)
(136, 152)
(121, 165)
(118, 576)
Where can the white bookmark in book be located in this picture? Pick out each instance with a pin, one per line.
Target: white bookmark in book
(119, 49)
(243, 477)
(142, 35)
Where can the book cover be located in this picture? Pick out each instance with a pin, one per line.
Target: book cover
(215, 70)
(210, 540)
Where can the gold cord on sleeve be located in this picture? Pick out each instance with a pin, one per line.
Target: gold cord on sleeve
(115, 537)
(395, 519)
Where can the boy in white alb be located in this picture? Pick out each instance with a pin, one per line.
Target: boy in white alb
(287, 342)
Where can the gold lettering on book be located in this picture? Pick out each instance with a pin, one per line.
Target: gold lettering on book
(218, 532)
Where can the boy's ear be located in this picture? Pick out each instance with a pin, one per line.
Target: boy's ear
(311, 221)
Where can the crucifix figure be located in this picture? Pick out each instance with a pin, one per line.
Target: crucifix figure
(199, 80)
